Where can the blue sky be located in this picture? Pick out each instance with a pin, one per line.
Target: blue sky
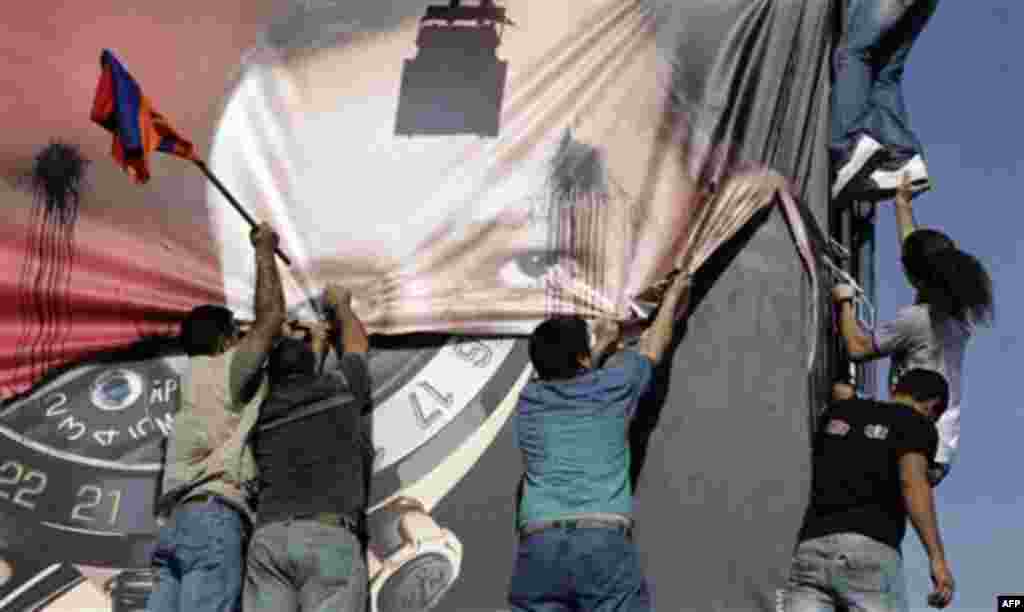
(964, 93)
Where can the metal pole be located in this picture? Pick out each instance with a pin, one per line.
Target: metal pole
(227, 194)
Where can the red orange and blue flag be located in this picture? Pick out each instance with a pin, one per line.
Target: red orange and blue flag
(138, 128)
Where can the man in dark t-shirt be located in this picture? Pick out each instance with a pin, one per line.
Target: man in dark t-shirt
(314, 458)
(870, 474)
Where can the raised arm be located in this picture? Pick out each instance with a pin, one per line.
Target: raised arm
(351, 346)
(659, 335)
(353, 333)
(858, 344)
(905, 224)
(920, 504)
(252, 351)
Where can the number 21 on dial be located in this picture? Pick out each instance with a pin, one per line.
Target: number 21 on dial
(93, 497)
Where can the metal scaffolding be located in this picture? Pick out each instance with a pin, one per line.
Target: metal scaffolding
(852, 232)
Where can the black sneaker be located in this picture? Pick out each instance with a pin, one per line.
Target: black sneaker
(864, 150)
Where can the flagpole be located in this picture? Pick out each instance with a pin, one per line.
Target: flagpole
(227, 194)
(314, 303)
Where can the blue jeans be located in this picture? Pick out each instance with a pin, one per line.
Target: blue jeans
(302, 565)
(597, 570)
(846, 571)
(867, 94)
(198, 560)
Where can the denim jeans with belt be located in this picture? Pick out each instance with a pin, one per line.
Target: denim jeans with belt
(591, 569)
(867, 95)
(198, 560)
(846, 571)
(307, 566)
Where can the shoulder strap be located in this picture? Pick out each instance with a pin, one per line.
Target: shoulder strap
(307, 411)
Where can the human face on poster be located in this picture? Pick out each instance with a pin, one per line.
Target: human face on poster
(376, 166)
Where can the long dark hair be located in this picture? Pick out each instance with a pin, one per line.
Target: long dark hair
(948, 279)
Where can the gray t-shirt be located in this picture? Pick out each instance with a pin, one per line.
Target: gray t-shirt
(915, 339)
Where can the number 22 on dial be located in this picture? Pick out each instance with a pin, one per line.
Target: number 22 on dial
(32, 484)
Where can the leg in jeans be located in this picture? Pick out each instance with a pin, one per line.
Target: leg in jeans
(808, 589)
(888, 115)
(166, 593)
(878, 38)
(332, 568)
(870, 576)
(269, 576)
(542, 580)
(209, 541)
(607, 575)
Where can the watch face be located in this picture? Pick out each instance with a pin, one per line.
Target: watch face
(112, 415)
(430, 402)
(81, 459)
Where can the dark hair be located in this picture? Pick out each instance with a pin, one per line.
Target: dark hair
(204, 329)
(557, 345)
(924, 242)
(923, 386)
(950, 280)
(290, 356)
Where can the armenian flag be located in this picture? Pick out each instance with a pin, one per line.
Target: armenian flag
(138, 128)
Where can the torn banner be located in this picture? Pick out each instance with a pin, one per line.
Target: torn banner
(364, 135)
(593, 187)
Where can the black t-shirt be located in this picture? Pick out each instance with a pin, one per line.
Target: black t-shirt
(856, 484)
(312, 445)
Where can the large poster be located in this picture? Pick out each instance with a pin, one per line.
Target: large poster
(467, 169)
(492, 167)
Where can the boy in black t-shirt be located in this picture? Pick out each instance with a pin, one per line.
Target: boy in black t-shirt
(870, 474)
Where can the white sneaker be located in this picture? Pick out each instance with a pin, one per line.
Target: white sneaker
(887, 182)
(863, 152)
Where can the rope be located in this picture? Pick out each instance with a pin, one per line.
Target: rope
(867, 315)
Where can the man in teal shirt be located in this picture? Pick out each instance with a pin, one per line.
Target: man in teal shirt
(572, 422)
